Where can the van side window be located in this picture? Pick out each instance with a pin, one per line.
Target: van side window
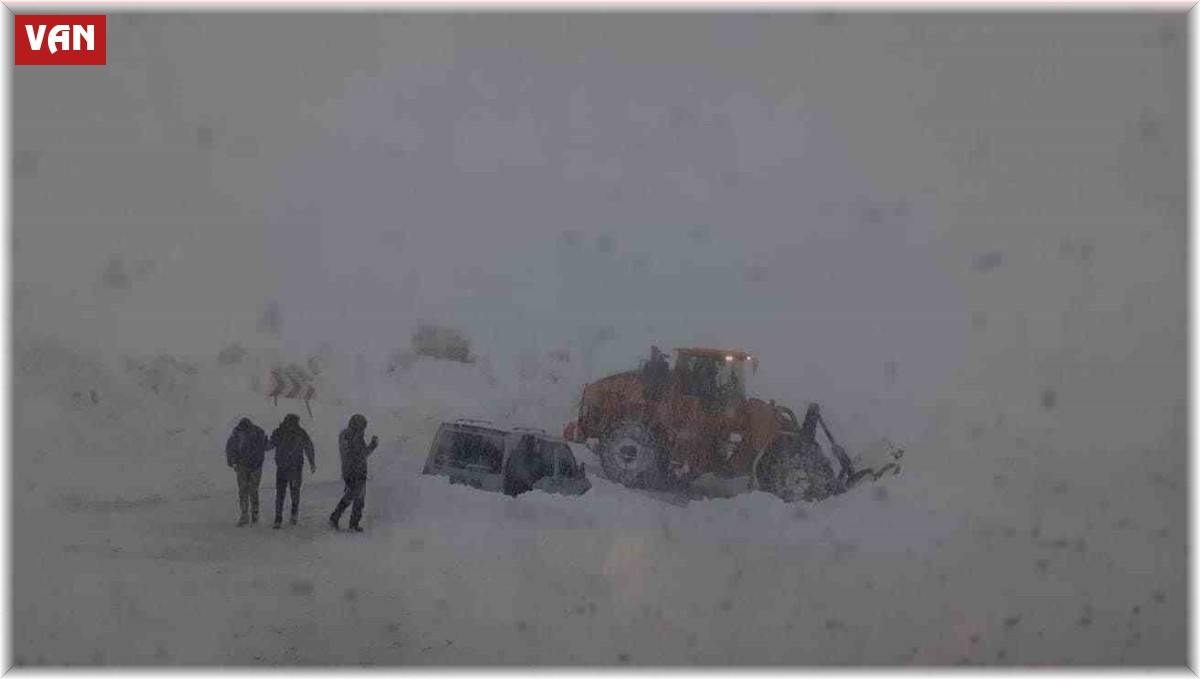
(444, 447)
(465, 450)
(492, 454)
(468, 449)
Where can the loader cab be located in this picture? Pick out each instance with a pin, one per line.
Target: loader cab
(715, 376)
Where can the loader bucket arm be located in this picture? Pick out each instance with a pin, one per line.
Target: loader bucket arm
(847, 465)
(849, 475)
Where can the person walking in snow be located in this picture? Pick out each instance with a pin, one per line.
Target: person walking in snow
(292, 444)
(244, 452)
(354, 451)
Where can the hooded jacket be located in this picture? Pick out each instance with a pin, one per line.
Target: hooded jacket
(292, 444)
(354, 449)
(246, 445)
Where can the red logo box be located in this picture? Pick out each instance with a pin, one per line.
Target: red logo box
(61, 40)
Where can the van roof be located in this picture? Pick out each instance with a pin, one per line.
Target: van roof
(507, 430)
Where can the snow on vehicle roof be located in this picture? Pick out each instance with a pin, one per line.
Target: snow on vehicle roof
(506, 428)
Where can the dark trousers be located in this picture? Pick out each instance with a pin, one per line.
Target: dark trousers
(287, 480)
(248, 481)
(356, 495)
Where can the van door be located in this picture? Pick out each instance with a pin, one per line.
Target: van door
(568, 478)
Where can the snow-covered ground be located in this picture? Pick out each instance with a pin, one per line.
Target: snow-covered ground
(127, 552)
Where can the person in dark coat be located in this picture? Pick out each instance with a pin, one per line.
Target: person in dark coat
(292, 444)
(244, 452)
(354, 451)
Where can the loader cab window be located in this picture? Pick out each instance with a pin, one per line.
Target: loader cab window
(731, 381)
(698, 374)
(719, 381)
(701, 378)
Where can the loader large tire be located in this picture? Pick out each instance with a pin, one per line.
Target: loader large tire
(633, 456)
(795, 472)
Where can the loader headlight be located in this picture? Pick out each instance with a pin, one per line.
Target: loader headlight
(729, 358)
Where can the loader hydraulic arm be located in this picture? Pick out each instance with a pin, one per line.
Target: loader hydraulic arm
(849, 476)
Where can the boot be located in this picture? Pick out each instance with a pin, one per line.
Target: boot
(278, 523)
(254, 517)
(356, 528)
(243, 521)
(336, 517)
(292, 520)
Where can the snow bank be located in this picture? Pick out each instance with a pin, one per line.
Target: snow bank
(124, 462)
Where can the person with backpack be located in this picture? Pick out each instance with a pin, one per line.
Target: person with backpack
(292, 444)
(244, 452)
(354, 451)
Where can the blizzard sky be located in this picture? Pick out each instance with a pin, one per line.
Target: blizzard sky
(761, 182)
(933, 224)
(813, 188)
